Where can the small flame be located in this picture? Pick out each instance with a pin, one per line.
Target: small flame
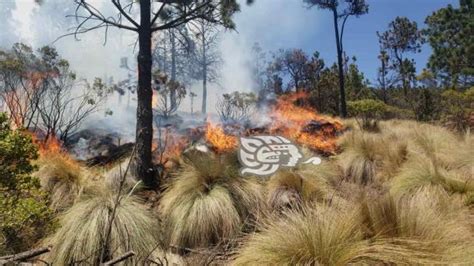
(219, 140)
(169, 147)
(154, 99)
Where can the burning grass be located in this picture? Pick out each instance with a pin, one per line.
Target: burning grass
(61, 176)
(219, 140)
(304, 124)
(397, 196)
(298, 123)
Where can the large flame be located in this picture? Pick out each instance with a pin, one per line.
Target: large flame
(299, 123)
(292, 121)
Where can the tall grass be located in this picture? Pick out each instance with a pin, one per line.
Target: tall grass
(425, 228)
(370, 157)
(80, 238)
(208, 203)
(62, 178)
(327, 235)
(289, 188)
(437, 157)
(428, 226)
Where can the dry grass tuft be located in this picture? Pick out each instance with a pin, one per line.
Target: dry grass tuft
(62, 178)
(428, 226)
(370, 157)
(289, 188)
(208, 203)
(327, 235)
(80, 236)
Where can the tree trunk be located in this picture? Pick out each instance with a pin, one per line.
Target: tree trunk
(173, 69)
(204, 76)
(342, 91)
(384, 88)
(144, 133)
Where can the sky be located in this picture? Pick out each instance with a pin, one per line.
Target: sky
(279, 24)
(274, 24)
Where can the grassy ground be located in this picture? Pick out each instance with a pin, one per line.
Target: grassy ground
(401, 195)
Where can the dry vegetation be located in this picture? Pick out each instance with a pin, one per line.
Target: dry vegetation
(401, 195)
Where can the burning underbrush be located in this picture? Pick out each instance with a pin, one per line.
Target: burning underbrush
(286, 117)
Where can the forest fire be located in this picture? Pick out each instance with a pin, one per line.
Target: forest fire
(303, 124)
(219, 140)
(48, 146)
(169, 145)
(299, 123)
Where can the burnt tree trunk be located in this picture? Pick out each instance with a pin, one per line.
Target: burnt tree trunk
(204, 75)
(342, 91)
(173, 69)
(384, 86)
(144, 132)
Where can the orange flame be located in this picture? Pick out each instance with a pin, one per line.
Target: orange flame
(169, 147)
(49, 146)
(220, 141)
(291, 120)
(288, 120)
(154, 99)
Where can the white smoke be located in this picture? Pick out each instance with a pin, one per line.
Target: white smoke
(273, 23)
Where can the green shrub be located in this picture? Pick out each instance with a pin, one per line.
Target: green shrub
(458, 109)
(393, 112)
(367, 112)
(23, 209)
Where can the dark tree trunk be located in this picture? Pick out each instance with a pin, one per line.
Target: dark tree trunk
(384, 86)
(144, 133)
(204, 76)
(342, 91)
(173, 68)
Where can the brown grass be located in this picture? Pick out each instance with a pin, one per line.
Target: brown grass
(82, 230)
(207, 203)
(62, 178)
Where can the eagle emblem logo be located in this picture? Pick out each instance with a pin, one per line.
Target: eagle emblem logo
(264, 155)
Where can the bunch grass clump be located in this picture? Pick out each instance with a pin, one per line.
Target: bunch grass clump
(317, 235)
(289, 188)
(371, 157)
(62, 178)
(428, 226)
(208, 203)
(437, 158)
(82, 233)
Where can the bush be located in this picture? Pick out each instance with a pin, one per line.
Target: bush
(367, 112)
(236, 107)
(459, 109)
(23, 210)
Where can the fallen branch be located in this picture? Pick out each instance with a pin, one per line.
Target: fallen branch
(25, 255)
(120, 258)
